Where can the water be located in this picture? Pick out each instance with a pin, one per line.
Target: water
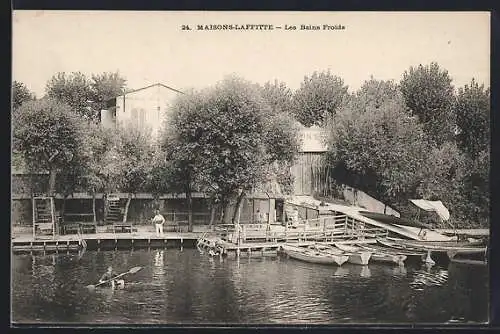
(186, 287)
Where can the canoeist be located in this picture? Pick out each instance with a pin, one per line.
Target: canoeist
(108, 276)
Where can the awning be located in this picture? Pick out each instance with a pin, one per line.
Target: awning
(433, 206)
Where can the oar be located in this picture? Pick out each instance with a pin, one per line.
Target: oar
(131, 271)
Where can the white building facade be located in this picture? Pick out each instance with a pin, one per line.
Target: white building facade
(146, 108)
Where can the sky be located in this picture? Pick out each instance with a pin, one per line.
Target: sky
(151, 47)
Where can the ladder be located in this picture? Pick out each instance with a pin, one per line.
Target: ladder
(43, 215)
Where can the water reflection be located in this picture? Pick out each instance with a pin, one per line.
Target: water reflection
(159, 265)
(188, 287)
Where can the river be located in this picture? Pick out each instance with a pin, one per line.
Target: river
(185, 287)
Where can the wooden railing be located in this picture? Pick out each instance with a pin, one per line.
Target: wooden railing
(322, 228)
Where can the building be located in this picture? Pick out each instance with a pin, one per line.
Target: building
(146, 108)
(311, 174)
(307, 170)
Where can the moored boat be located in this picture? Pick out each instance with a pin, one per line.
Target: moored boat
(384, 257)
(355, 256)
(444, 247)
(439, 244)
(313, 256)
(409, 254)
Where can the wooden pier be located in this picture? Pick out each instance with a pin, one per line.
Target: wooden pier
(104, 241)
(218, 246)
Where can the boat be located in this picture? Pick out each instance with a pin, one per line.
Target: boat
(471, 262)
(393, 220)
(355, 256)
(438, 244)
(313, 256)
(383, 256)
(409, 254)
(452, 247)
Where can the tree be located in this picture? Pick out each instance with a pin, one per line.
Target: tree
(131, 162)
(278, 96)
(476, 191)
(72, 89)
(472, 108)
(20, 94)
(86, 97)
(318, 98)
(377, 147)
(374, 93)
(49, 135)
(104, 87)
(101, 170)
(224, 139)
(428, 94)
(181, 150)
(442, 176)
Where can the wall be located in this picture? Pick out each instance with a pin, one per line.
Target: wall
(146, 108)
(307, 172)
(142, 210)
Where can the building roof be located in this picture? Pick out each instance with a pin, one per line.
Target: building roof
(150, 86)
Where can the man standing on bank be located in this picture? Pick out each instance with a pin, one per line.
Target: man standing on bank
(158, 220)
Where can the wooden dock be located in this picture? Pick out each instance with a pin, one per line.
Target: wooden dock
(105, 241)
(227, 248)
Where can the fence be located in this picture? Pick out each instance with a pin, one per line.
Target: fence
(335, 227)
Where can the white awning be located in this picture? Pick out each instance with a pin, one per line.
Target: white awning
(434, 206)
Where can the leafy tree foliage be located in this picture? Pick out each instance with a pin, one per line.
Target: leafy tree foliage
(86, 97)
(72, 89)
(278, 96)
(225, 140)
(472, 108)
(318, 98)
(20, 94)
(106, 86)
(377, 147)
(49, 135)
(428, 93)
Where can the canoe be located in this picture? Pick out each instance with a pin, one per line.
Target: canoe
(355, 257)
(383, 257)
(446, 246)
(313, 256)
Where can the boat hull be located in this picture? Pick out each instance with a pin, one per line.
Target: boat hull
(311, 256)
(355, 257)
(447, 248)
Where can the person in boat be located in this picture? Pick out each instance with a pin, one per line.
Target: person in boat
(108, 277)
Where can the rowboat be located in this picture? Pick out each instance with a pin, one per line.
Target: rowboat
(409, 254)
(450, 248)
(383, 256)
(355, 256)
(442, 247)
(438, 244)
(313, 256)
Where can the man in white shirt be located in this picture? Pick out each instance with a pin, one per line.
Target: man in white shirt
(158, 220)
